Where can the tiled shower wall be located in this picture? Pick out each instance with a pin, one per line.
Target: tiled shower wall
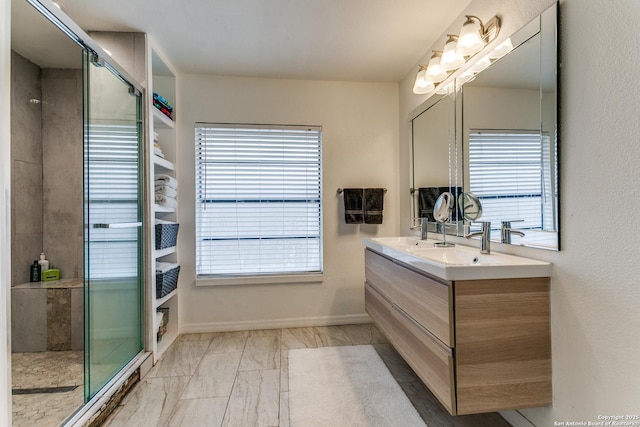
(62, 169)
(46, 151)
(26, 162)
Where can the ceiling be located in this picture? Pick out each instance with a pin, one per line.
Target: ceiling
(345, 40)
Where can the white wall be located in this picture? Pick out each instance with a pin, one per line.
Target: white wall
(5, 212)
(360, 149)
(595, 292)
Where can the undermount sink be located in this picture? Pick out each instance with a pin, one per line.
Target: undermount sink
(403, 242)
(458, 262)
(459, 256)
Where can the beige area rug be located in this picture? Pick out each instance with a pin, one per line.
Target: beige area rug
(345, 387)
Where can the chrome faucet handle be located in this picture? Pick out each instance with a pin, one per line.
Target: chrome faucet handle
(485, 236)
(506, 231)
(423, 224)
(417, 223)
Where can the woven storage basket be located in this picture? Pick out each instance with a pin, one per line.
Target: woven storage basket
(167, 282)
(166, 235)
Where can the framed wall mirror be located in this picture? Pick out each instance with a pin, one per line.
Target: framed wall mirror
(501, 140)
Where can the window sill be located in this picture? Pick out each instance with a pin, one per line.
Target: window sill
(259, 280)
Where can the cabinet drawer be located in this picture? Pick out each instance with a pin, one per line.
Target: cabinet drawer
(425, 300)
(432, 362)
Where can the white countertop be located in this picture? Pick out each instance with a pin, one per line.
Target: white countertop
(458, 262)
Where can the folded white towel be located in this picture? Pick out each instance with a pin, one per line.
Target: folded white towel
(166, 191)
(167, 202)
(169, 181)
(158, 152)
(163, 267)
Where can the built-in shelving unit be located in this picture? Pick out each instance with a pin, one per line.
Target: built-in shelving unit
(161, 79)
(148, 66)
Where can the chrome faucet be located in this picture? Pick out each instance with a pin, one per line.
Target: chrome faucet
(423, 225)
(506, 231)
(485, 237)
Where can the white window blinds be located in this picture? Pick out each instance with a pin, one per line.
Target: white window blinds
(258, 200)
(505, 172)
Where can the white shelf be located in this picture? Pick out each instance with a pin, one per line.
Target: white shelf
(161, 78)
(163, 163)
(160, 120)
(159, 253)
(163, 209)
(166, 298)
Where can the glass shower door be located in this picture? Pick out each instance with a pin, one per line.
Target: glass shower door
(113, 267)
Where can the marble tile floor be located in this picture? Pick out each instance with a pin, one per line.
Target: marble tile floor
(47, 369)
(237, 379)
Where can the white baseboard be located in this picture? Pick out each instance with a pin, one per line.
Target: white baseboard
(301, 322)
(516, 419)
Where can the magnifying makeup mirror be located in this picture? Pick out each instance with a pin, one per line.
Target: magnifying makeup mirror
(441, 213)
(471, 206)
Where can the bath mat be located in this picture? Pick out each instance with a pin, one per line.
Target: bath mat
(345, 386)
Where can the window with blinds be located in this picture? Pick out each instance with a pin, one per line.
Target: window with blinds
(258, 200)
(506, 172)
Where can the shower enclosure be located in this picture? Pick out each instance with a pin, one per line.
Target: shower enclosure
(77, 139)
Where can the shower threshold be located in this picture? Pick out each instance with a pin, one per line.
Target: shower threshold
(44, 390)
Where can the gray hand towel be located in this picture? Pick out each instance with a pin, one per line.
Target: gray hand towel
(353, 207)
(427, 197)
(373, 205)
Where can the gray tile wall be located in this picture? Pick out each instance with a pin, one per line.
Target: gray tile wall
(26, 172)
(62, 169)
(46, 146)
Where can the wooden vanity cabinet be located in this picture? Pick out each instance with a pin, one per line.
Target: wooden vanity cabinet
(478, 345)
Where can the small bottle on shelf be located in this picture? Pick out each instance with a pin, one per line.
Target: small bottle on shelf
(43, 263)
(34, 275)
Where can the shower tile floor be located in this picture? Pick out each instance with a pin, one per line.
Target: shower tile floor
(50, 369)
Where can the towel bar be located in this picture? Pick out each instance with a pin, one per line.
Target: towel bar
(339, 190)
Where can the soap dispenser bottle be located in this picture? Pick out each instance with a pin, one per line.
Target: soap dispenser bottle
(43, 263)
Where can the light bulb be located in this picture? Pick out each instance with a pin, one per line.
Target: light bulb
(450, 59)
(502, 49)
(470, 39)
(435, 73)
(465, 77)
(422, 86)
(481, 64)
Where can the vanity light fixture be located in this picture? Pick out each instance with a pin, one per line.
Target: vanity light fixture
(451, 60)
(422, 86)
(474, 36)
